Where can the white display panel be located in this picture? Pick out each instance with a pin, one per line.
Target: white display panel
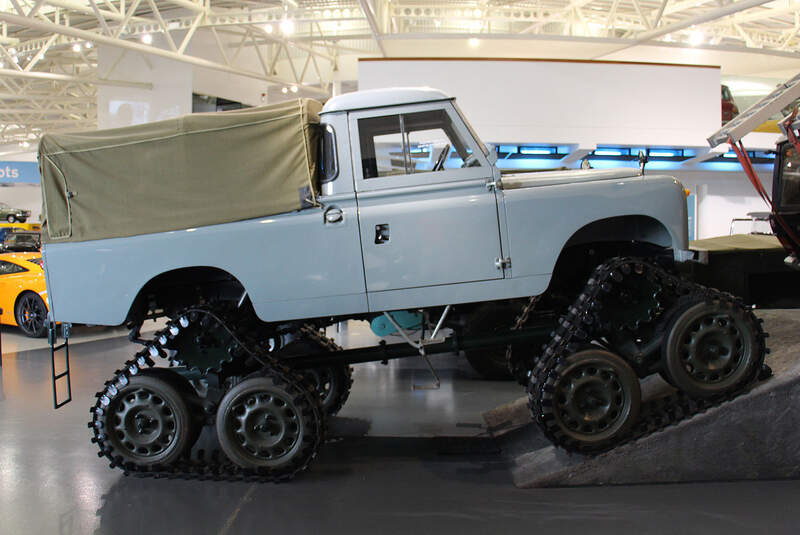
(583, 103)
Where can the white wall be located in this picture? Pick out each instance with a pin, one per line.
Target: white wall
(721, 197)
(170, 96)
(587, 103)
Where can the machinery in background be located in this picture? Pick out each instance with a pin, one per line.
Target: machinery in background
(785, 200)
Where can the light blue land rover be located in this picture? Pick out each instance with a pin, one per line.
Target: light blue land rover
(252, 231)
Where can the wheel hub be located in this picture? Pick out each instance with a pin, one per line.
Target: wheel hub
(144, 424)
(266, 425)
(712, 349)
(590, 399)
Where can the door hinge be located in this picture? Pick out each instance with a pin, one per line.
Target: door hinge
(491, 185)
(502, 263)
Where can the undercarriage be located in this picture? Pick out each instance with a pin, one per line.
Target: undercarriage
(267, 390)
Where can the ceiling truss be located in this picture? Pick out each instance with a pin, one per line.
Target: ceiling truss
(48, 48)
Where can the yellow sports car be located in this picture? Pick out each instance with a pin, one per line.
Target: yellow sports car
(23, 294)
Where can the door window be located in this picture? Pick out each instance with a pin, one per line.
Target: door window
(410, 143)
(7, 268)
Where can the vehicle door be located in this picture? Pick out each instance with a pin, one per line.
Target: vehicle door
(427, 216)
(10, 283)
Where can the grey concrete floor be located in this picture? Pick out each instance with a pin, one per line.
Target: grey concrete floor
(388, 468)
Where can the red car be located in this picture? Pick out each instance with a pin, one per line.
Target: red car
(729, 109)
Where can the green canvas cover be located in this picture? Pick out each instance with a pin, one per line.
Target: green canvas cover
(191, 171)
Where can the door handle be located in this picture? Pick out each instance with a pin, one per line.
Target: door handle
(381, 233)
(334, 214)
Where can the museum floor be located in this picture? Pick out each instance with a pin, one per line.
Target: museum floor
(386, 469)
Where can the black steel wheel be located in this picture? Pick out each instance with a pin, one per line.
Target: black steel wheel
(31, 315)
(594, 401)
(148, 422)
(711, 348)
(270, 424)
(11, 218)
(332, 384)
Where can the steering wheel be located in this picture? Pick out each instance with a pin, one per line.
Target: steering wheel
(439, 165)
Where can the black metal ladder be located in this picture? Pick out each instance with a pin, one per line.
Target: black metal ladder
(52, 338)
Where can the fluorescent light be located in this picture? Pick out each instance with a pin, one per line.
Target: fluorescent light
(537, 150)
(610, 152)
(664, 153)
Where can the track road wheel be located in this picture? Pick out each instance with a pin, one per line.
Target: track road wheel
(594, 401)
(147, 423)
(270, 424)
(333, 385)
(711, 348)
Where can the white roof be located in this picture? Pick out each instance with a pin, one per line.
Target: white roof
(376, 98)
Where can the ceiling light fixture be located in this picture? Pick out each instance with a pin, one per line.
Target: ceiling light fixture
(88, 44)
(294, 89)
(147, 38)
(287, 27)
(284, 90)
(76, 47)
(268, 28)
(474, 42)
(696, 38)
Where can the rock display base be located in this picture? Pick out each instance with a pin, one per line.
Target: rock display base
(755, 436)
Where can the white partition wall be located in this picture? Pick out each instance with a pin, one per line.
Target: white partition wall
(571, 102)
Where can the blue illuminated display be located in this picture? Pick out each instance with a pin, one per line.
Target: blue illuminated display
(541, 157)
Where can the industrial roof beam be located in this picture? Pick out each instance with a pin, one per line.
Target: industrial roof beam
(369, 13)
(55, 77)
(708, 16)
(144, 49)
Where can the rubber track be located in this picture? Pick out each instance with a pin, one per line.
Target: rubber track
(584, 320)
(205, 465)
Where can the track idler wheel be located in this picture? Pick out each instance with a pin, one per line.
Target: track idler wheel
(270, 424)
(591, 402)
(148, 423)
(711, 348)
(333, 385)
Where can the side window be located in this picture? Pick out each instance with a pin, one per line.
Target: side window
(411, 143)
(381, 146)
(329, 164)
(6, 268)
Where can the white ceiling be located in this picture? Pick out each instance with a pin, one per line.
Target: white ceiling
(48, 48)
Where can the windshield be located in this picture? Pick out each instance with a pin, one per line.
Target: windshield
(471, 130)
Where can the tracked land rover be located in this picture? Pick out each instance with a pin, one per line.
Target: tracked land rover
(251, 231)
